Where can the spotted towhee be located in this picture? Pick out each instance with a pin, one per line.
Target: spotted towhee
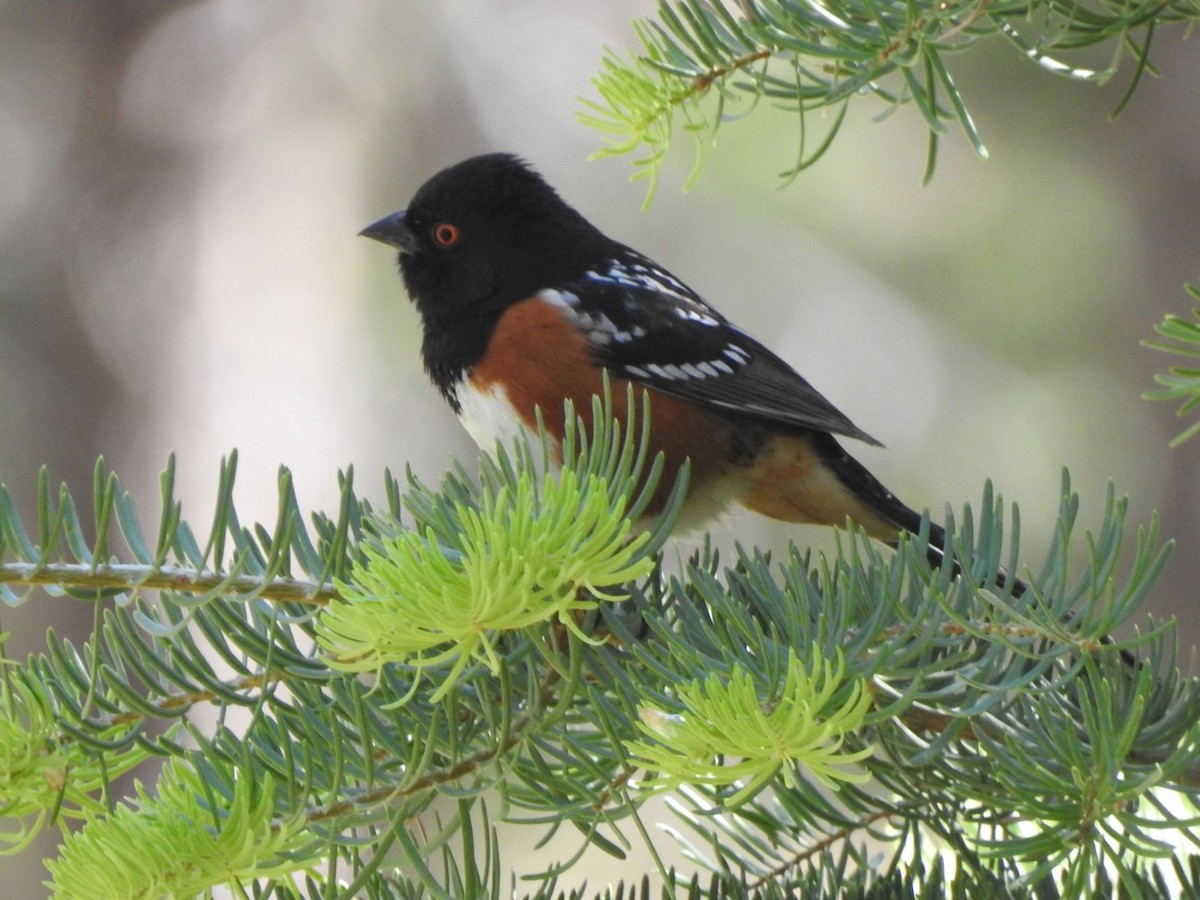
(525, 303)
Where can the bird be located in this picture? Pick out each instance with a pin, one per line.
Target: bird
(524, 304)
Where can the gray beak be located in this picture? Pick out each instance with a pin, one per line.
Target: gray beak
(393, 231)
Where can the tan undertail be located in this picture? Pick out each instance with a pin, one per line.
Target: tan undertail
(791, 482)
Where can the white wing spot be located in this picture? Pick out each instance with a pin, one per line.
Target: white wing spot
(561, 299)
(600, 328)
(647, 276)
(691, 313)
(736, 354)
(683, 371)
(605, 323)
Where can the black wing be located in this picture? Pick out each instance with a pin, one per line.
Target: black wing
(646, 325)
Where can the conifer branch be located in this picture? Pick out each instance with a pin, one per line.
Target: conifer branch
(699, 59)
(126, 578)
(954, 707)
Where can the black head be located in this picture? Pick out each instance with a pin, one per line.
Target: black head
(484, 234)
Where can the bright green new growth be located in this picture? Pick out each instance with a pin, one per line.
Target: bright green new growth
(41, 773)
(535, 545)
(1001, 724)
(804, 724)
(185, 838)
(527, 555)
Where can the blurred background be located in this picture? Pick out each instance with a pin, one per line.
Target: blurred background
(182, 184)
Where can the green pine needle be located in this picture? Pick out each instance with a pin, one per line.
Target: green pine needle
(698, 57)
(1180, 382)
(725, 717)
(530, 546)
(526, 556)
(177, 844)
(42, 773)
(999, 724)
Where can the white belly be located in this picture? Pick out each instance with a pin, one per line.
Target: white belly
(489, 417)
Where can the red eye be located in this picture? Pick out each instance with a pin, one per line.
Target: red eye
(445, 234)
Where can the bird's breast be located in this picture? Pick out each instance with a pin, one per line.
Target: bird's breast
(489, 415)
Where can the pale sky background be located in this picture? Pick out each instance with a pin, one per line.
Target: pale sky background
(183, 183)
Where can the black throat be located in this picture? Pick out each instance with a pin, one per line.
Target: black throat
(452, 345)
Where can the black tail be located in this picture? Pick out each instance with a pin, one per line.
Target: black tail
(866, 487)
(910, 521)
